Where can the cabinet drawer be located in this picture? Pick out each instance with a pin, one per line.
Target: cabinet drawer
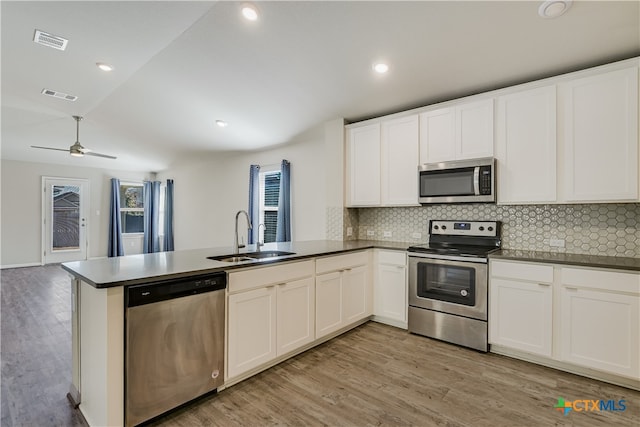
(601, 279)
(392, 257)
(265, 276)
(341, 262)
(539, 273)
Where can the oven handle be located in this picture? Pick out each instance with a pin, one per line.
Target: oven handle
(476, 180)
(448, 257)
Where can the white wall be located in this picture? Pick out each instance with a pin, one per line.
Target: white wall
(21, 208)
(209, 191)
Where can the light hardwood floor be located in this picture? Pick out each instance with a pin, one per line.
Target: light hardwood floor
(373, 375)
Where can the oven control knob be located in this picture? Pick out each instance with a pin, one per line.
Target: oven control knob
(435, 227)
(464, 292)
(444, 227)
(481, 228)
(490, 228)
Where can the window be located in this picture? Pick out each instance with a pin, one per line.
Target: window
(269, 194)
(132, 208)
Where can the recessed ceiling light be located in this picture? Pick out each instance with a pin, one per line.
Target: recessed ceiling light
(250, 12)
(222, 123)
(104, 67)
(380, 67)
(553, 8)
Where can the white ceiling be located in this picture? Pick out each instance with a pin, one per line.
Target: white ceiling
(179, 66)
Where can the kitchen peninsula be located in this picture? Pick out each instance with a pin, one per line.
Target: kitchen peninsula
(99, 294)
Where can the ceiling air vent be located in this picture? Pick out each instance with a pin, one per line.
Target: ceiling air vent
(59, 95)
(50, 40)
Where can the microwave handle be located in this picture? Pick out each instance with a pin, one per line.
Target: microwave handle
(476, 180)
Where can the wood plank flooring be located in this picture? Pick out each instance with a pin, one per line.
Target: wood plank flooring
(373, 375)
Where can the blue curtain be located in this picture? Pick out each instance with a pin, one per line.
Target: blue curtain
(283, 227)
(116, 248)
(151, 242)
(254, 202)
(168, 217)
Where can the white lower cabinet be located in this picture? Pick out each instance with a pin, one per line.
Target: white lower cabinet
(343, 291)
(600, 324)
(390, 288)
(578, 316)
(252, 329)
(273, 318)
(521, 315)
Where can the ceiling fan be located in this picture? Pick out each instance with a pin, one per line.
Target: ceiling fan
(76, 149)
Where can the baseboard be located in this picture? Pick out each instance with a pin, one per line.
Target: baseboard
(630, 383)
(30, 264)
(390, 322)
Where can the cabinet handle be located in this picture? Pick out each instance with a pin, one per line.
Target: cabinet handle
(571, 288)
(400, 266)
(544, 284)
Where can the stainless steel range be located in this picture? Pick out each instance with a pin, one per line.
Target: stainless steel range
(448, 289)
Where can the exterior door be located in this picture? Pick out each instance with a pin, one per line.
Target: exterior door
(65, 209)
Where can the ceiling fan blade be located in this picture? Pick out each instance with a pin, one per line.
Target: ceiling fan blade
(50, 148)
(106, 156)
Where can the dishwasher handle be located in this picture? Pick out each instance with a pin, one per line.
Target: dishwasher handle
(162, 291)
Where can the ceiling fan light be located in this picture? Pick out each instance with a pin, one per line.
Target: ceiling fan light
(77, 154)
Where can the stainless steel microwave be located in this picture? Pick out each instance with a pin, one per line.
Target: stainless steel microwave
(461, 181)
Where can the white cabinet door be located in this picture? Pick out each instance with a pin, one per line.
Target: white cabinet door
(296, 314)
(400, 161)
(601, 137)
(526, 146)
(364, 166)
(252, 329)
(356, 294)
(601, 330)
(437, 135)
(328, 303)
(390, 293)
(520, 315)
(474, 130)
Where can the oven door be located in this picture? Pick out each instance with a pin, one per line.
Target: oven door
(455, 287)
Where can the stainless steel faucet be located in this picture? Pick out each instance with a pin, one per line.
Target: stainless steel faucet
(236, 245)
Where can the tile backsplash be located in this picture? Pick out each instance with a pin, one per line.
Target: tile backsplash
(594, 229)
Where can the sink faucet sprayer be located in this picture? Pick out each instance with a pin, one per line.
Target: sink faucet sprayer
(260, 242)
(236, 245)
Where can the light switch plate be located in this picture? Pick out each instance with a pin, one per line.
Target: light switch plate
(371, 233)
(416, 235)
(349, 231)
(387, 234)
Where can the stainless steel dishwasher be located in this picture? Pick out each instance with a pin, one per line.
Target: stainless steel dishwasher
(174, 348)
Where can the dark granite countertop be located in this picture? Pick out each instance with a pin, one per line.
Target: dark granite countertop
(159, 266)
(599, 261)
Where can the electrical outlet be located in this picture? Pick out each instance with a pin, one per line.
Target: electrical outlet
(387, 234)
(416, 235)
(556, 243)
(370, 233)
(349, 231)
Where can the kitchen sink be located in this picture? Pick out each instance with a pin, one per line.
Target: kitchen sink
(249, 256)
(267, 254)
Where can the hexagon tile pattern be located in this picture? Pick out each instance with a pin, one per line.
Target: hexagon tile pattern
(594, 229)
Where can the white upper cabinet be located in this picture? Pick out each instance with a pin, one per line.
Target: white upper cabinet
(474, 130)
(400, 161)
(382, 163)
(363, 166)
(463, 131)
(526, 146)
(438, 135)
(600, 118)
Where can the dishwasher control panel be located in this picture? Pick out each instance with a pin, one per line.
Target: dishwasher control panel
(170, 289)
